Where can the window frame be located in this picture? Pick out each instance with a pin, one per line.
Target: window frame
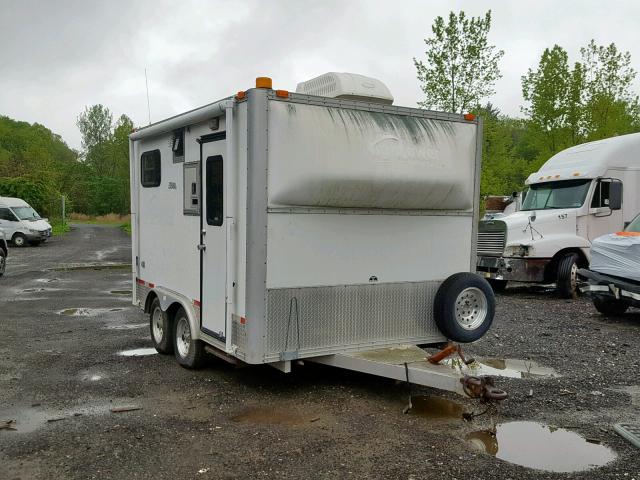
(156, 182)
(219, 193)
(188, 208)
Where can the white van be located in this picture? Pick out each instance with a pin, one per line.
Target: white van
(4, 252)
(273, 226)
(578, 195)
(21, 223)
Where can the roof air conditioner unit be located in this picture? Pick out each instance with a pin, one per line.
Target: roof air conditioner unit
(350, 86)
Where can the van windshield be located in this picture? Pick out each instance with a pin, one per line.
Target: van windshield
(25, 213)
(562, 194)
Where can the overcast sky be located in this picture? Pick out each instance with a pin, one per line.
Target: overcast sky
(58, 56)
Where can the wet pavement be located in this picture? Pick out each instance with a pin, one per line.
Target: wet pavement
(91, 399)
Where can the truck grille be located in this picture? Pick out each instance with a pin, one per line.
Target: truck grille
(491, 243)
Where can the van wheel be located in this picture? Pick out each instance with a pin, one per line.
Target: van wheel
(188, 351)
(464, 307)
(567, 281)
(497, 285)
(160, 328)
(3, 262)
(19, 240)
(610, 306)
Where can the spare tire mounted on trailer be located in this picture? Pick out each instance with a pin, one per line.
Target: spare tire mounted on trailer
(464, 307)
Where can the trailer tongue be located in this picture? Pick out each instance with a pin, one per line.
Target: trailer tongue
(412, 364)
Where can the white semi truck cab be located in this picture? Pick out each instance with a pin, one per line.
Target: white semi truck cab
(577, 195)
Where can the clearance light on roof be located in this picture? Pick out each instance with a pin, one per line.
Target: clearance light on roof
(240, 95)
(576, 174)
(263, 82)
(282, 93)
(469, 116)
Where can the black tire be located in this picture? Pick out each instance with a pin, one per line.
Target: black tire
(3, 262)
(160, 328)
(567, 281)
(610, 306)
(19, 240)
(464, 307)
(497, 285)
(194, 355)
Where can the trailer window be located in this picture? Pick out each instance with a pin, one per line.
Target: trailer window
(150, 169)
(215, 191)
(177, 145)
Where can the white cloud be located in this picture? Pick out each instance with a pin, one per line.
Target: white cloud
(57, 57)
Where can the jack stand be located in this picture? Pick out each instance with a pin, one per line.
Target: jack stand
(446, 352)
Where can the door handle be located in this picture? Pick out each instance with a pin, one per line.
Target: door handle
(202, 247)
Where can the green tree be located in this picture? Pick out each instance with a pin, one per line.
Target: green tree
(611, 106)
(554, 95)
(461, 65)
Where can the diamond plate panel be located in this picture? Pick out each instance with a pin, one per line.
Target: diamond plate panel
(238, 333)
(334, 318)
(141, 294)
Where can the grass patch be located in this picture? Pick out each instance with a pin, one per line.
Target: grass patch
(108, 219)
(58, 228)
(126, 228)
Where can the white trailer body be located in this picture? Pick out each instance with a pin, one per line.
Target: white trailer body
(579, 194)
(292, 226)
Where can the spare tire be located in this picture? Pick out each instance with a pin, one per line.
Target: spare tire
(464, 307)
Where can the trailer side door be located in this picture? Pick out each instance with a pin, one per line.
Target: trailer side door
(213, 246)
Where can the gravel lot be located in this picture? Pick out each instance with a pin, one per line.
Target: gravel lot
(60, 376)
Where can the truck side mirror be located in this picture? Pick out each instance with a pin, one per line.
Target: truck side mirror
(615, 195)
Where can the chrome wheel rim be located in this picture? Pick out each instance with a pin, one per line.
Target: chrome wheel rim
(157, 325)
(574, 277)
(471, 308)
(18, 241)
(183, 337)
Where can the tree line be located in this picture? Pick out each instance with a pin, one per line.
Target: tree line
(565, 103)
(38, 166)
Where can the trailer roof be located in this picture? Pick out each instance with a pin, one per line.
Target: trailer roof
(591, 160)
(217, 109)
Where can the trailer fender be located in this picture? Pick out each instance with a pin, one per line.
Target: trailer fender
(169, 299)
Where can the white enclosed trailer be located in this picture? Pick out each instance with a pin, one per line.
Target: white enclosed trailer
(272, 226)
(579, 194)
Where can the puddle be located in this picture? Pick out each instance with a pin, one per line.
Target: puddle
(31, 290)
(26, 419)
(275, 416)
(542, 447)
(87, 312)
(46, 280)
(435, 408)
(133, 326)
(502, 367)
(30, 419)
(138, 352)
(120, 292)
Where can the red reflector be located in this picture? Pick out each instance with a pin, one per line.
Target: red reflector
(139, 281)
(197, 303)
(152, 285)
(243, 320)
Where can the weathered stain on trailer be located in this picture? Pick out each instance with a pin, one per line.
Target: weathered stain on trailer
(417, 129)
(540, 446)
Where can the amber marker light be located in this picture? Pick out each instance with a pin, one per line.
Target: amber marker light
(263, 82)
